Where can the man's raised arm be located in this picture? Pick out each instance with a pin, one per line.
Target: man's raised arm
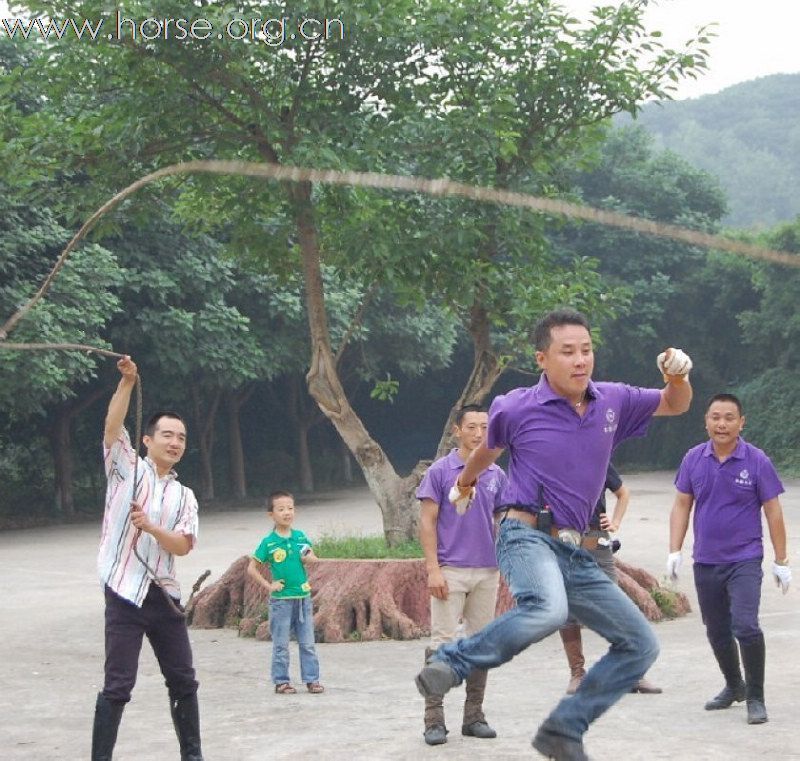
(118, 406)
(677, 394)
(479, 459)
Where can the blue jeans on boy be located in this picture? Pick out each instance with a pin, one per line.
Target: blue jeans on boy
(287, 616)
(550, 580)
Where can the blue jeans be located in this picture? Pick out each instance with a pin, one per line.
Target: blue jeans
(294, 615)
(550, 580)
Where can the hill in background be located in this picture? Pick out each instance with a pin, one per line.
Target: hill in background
(748, 136)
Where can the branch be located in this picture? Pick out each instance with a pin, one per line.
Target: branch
(357, 320)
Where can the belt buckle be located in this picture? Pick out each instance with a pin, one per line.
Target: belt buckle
(569, 536)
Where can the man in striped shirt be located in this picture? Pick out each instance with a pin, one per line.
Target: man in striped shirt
(152, 522)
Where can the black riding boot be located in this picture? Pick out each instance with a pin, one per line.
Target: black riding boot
(753, 657)
(734, 692)
(186, 718)
(107, 715)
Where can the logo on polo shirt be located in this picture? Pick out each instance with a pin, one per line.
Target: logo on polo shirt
(611, 418)
(744, 478)
(279, 555)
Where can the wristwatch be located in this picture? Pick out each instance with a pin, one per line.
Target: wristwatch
(785, 561)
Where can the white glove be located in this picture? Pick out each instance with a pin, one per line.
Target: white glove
(674, 560)
(783, 576)
(674, 363)
(461, 497)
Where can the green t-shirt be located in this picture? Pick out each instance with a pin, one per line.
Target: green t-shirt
(283, 555)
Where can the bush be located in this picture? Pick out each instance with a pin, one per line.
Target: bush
(364, 548)
(772, 408)
(666, 599)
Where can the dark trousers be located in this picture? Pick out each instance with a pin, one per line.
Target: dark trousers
(126, 624)
(729, 595)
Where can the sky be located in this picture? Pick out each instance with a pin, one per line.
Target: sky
(753, 38)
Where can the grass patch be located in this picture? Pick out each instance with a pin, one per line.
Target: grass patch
(666, 599)
(364, 548)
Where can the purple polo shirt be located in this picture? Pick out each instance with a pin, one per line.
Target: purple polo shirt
(727, 500)
(550, 444)
(466, 541)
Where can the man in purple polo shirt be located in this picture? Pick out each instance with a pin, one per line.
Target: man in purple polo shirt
(461, 564)
(729, 481)
(560, 435)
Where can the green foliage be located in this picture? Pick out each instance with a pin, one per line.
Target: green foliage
(364, 548)
(77, 308)
(631, 176)
(385, 390)
(666, 599)
(479, 90)
(21, 494)
(748, 136)
(772, 333)
(772, 407)
(508, 95)
(673, 289)
(773, 330)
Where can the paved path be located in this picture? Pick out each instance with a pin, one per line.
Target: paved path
(51, 660)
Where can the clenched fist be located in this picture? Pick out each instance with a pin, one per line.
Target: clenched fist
(674, 365)
(461, 496)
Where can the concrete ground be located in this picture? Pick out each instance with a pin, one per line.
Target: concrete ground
(51, 623)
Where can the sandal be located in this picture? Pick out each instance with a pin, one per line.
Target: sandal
(284, 688)
(315, 688)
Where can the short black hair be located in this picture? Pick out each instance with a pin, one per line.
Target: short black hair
(152, 423)
(461, 411)
(542, 335)
(275, 495)
(726, 398)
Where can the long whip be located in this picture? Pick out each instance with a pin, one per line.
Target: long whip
(438, 187)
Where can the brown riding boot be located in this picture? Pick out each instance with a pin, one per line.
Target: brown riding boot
(435, 732)
(573, 647)
(475, 724)
(646, 687)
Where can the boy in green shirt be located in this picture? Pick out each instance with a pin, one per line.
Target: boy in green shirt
(290, 609)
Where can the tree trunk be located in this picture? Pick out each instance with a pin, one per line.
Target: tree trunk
(60, 435)
(205, 438)
(303, 419)
(304, 456)
(238, 479)
(395, 495)
(391, 492)
(347, 463)
(369, 599)
(485, 372)
(60, 444)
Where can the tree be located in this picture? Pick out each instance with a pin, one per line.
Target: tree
(511, 108)
(372, 337)
(673, 287)
(77, 310)
(192, 340)
(748, 136)
(506, 92)
(772, 334)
